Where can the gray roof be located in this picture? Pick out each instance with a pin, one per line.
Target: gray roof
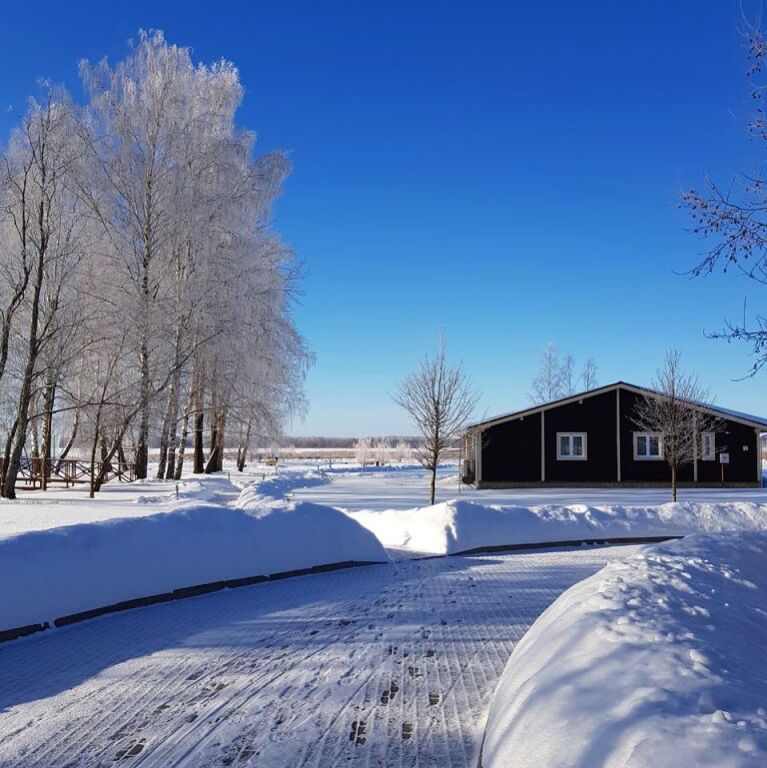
(758, 422)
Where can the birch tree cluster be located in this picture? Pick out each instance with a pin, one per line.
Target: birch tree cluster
(557, 377)
(145, 297)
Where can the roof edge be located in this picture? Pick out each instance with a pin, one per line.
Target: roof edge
(741, 418)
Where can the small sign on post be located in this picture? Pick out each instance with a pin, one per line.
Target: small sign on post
(724, 458)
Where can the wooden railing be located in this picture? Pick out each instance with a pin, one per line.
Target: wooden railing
(67, 471)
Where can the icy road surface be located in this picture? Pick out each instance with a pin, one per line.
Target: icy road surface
(386, 665)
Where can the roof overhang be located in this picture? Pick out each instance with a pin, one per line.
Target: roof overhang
(740, 418)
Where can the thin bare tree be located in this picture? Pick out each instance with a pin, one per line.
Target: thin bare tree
(547, 384)
(589, 378)
(440, 399)
(567, 376)
(731, 218)
(673, 415)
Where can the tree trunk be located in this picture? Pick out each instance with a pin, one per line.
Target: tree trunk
(199, 451)
(242, 453)
(433, 485)
(93, 488)
(173, 422)
(182, 439)
(49, 399)
(70, 442)
(142, 445)
(34, 434)
(25, 393)
(212, 464)
(8, 445)
(673, 482)
(199, 423)
(161, 464)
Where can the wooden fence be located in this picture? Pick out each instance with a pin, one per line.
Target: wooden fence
(67, 472)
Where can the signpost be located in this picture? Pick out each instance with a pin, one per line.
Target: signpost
(724, 458)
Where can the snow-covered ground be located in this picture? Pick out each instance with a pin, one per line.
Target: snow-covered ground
(59, 506)
(391, 664)
(214, 532)
(461, 526)
(386, 665)
(406, 488)
(391, 503)
(658, 661)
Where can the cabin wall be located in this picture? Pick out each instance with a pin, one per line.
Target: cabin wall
(596, 416)
(648, 471)
(742, 443)
(511, 451)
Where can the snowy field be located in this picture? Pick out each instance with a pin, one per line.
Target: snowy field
(371, 489)
(390, 664)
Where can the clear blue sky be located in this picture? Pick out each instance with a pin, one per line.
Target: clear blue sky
(507, 171)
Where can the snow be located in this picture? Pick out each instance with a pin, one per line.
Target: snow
(459, 526)
(55, 572)
(655, 662)
(386, 665)
(407, 487)
(391, 664)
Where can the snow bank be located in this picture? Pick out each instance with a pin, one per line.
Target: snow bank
(659, 661)
(458, 526)
(276, 487)
(53, 573)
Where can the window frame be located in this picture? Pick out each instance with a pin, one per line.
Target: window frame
(711, 456)
(648, 456)
(571, 457)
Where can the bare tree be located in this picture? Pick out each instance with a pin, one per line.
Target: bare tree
(547, 384)
(589, 375)
(440, 399)
(732, 218)
(568, 379)
(673, 415)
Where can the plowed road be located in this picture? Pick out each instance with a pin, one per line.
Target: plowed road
(387, 665)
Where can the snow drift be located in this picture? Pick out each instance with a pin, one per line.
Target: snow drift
(457, 526)
(61, 571)
(659, 661)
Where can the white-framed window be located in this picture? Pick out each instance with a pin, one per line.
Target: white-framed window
(571, 446)
(648, 446)
(707, 446)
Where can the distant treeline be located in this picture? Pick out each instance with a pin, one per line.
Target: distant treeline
(337, 442)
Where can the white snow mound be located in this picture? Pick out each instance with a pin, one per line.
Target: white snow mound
(658, 661)
(456, 526)
(57, 572)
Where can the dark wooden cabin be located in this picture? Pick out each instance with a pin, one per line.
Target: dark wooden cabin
(590, 439)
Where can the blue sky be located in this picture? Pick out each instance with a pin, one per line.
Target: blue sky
(507, 171)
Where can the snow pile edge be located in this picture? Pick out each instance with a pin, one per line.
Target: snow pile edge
(53, 573)
(456, 526)
(654, 662)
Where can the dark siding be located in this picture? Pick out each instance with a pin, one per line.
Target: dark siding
(742, 467)
(633, 471)
(511, 452)
(596, 417)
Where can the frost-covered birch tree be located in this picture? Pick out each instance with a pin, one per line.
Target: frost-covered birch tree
(144, 294)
